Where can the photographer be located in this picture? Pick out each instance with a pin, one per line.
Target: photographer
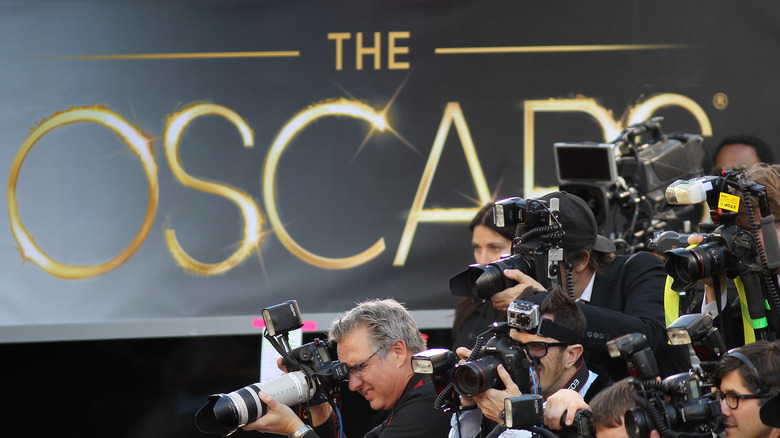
(766, 175)
(377, 340)
(565, 380)
(618, 294)
(746, 377)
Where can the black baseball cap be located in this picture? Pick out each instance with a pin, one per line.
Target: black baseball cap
(579, 224)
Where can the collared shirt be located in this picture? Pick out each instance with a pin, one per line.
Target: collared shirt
(712, 307)
(588, 292)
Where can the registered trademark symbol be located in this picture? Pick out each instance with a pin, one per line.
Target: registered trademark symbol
(720, 101)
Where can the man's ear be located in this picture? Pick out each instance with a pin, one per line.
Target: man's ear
(582, 264)
(398, 352)
(573, 354)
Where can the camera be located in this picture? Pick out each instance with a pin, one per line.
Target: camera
(313, 377)
(526, 412)
(690, 410)
(479, 372)
(495, 347)
(523, 315)
(729, 248)
(536, 249)
(678, 405)
(625, 184)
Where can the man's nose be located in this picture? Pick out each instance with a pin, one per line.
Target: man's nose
(724, 408)
(354, 382)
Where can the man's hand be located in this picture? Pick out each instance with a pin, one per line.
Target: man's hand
(463, 353)
(503, 299)
(279, 418)
(562, 402)
(491, 401)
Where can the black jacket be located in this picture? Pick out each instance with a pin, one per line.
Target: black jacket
(629, 298)
(413, 416)
(472, 320)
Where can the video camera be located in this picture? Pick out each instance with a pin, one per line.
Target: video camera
(536, 249)
(312, 378)
(624, 181)
(690, 409)
(730, 248)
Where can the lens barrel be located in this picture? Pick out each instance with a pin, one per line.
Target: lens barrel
(482, 282)
(472, 378)
(225, 413)
(638, 425)
(687, 266)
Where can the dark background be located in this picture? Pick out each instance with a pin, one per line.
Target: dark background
(141, 387)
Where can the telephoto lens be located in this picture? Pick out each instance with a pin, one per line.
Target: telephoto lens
(225, 413)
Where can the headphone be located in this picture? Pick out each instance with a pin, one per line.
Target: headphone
(744, 359)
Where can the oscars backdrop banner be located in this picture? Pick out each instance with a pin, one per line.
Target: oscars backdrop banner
(173, 167)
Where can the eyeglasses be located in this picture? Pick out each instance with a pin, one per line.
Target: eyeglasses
(539, 349)
(732, 398)
(357, 370)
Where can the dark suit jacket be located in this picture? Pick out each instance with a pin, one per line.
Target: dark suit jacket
(629, 298)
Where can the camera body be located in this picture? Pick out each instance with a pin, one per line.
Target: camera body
(493, 348)
(312, 377)
(582, 426)
(314, 359)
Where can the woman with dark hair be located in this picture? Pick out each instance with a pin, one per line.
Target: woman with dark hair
(489, 243)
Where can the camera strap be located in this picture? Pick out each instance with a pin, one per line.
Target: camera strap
(548, 329)
(582, 379)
